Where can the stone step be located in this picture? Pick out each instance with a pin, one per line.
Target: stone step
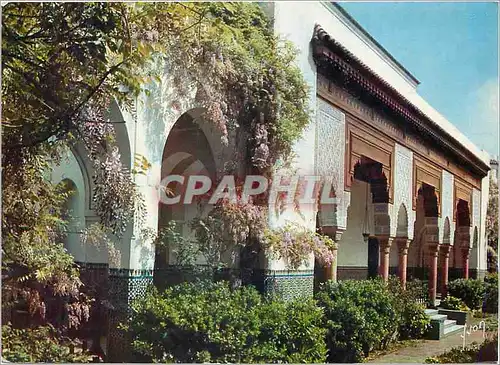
(449, 323)
(430, 312)
(453, 329)
(438, 317)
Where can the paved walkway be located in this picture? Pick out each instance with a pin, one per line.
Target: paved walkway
(419, 351)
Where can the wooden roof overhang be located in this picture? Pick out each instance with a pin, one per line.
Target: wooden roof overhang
(340, 66)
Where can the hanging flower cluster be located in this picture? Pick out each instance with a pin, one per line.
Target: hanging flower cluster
(295, 244)
(115, 194)
(227, 227)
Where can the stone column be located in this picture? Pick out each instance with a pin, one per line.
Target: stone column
(385, 249)
(335, 234)
(403, 246)
(433, 262)
(445, 259)
(465, 261)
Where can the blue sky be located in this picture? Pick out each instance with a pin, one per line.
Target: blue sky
(452, 49)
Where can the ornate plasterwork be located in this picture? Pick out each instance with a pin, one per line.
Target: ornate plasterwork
(447, 201)
(330, 156)
(476, 209)
(403, 178)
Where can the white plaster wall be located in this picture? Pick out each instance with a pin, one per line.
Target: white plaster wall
(70, 169)
(352, 250)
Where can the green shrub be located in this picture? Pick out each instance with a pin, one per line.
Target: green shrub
(413, 322)
(491, 278)
(209, 322)
(491, 296)
(450, 302)
(470, 291)
(360, 317)
(37, 345)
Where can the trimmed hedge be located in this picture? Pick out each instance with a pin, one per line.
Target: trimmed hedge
(210, 322)
(360, 317)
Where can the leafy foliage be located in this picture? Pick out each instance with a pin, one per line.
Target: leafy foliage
(209, 322)
(37, 345)
(450, 302)
(491, 296)
(470, 291)
(63, 64)
(413, 322)
(492, 216)
(360, 317)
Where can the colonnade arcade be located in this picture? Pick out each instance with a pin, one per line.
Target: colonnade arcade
(431, 251)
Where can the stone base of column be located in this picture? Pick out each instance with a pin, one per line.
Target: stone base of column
(124, 286)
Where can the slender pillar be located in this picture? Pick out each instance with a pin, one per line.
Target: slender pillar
(445, 259)
(465, 261)
(433, 262)
(385, 249)
(403, 245)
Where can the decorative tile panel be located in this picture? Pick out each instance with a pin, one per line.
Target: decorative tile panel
(125, 286)
(447, 204)
(403, 178)
(330, 156)
(290, 284)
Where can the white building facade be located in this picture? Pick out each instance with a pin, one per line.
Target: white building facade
(411, 189)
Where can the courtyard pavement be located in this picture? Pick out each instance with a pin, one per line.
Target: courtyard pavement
(418, 351)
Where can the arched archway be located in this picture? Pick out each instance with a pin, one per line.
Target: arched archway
(71, 213)
(444, 257)
(365, 243)
(462, 246)
(402, 225)
(399, 256)
(424, 253)
(446, 231)
(186, 153)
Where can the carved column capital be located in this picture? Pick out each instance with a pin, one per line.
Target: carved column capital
(444, 250)
(465, 252)
(385, 243)
(403, 244)
(433, 248)
(335, 233)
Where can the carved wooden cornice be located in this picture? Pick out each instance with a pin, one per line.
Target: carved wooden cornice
(341, 66)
